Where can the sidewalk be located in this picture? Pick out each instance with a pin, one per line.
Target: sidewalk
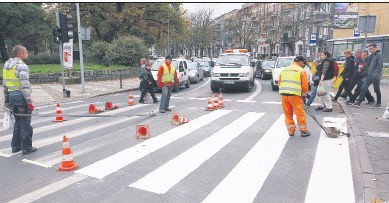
(371, 133)
(49, 94)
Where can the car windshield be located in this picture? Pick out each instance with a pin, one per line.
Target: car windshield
(233, 59)
(284, 62)
(268, 64)
(157, 64)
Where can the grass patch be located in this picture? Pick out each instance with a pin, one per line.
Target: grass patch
(56, 68)
(385, 72)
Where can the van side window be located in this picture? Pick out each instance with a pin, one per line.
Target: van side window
(181, 67)
(185, 65)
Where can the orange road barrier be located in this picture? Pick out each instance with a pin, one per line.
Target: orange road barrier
(221, 102)
(216, 102)
(67, 163)
(142, 131)
(175, 118)
(110, 106)
(93, 109)
(131, 99)
(209, 106)
(58, 112)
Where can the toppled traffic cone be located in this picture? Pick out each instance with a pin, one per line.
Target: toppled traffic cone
(142, 131)
(182, 120)
(221, 102)
(58, 113)
(175, 118)
(209, 106)
(131, 99)
(110, 106)
(216, 102)
(93, 109)
(67, 163)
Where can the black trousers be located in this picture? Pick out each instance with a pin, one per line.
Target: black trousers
(144, 89)
(345, 84)
(357, 91)
(367, 82)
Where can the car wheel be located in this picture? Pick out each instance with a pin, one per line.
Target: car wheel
(214, 89)
(249, 87)
(262, 76)
(187, 85)
(273, 87)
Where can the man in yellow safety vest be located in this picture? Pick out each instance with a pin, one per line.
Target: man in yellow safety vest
(167, 78)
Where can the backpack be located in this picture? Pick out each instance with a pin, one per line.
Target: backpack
(336, 69)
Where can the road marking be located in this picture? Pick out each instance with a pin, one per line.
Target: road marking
(244, 182)
(165, 177)
(104, 167)
(194, 89)
(245, 101)
(257, 91)
(37, 163)
(49, 189)
(74, 121)
(331, 177)
(377, 134)
(272, 102)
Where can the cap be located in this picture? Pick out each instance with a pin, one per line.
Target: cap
(168, 57)
(299, 58)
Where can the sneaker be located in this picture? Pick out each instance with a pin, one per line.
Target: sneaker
(348, 102)
(327, 110)
(370, 103)
(162, 111)
(168, 109)
(305, 133)
(141, 102)
(356, 104)
(33, 149)
(15, 150)
(319, 108)
(376, 105)
(156, 101)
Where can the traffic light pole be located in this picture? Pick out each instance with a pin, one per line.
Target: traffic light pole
(60, 56)
(80, 48)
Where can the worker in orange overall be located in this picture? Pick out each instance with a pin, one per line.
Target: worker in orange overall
(293, 86)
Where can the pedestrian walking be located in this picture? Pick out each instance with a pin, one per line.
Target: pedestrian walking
(374, 74)
(347, 75)
(167, 78)
(293, 86)
(17, 90)
(147, 82)
(326, 73)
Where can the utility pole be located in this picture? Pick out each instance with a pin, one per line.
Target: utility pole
(80, 48)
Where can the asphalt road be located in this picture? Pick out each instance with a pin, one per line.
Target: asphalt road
(241, 153)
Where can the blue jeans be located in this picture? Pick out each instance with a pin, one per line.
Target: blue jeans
(312, 96)
(22, 135)
(165, 98)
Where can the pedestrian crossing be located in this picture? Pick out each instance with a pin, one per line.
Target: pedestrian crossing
(173, 156)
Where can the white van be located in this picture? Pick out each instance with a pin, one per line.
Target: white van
(181, 66)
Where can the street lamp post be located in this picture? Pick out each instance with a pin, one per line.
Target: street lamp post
(367, 19)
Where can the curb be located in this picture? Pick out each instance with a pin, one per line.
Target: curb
(370, 190)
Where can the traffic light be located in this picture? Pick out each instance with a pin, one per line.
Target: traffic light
(57, 35)
(65, 23)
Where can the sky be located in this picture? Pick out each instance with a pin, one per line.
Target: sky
(219, 8)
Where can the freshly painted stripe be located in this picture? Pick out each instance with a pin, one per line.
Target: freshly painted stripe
(49, 189)
(244, 182)
(74, 121)
(246, 101)
(72, 134)
(331, 177)
(377, 134)
(165, 177)
(257, 91)
(104, 167)
(36, 163)
(272, 102)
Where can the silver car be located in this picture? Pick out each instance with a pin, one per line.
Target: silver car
(196, 72)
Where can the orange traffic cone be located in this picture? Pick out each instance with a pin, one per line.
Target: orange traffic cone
(142, 131)
(67, 163)
(175, 119)
(131, 99)
(182, 120)
(216, 102)
(221, 102)
(110, 106)
(93, 109)
(58, 112)
(209, 106)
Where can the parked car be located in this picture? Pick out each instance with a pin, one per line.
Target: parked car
(265, 69)
(280, 63)
(181, 68)
(196, 72)
(206, 66)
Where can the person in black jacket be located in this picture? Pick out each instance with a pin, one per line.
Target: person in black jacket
(347, 75)
(147, 82)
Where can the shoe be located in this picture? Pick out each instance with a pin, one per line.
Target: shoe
(305, 133)
(376, 105)
(370, 103)
(319, 108)
(356, 104)
(327, 110)
(168, 109)
(348, 102)
(15, 150)
(162, 111)
(141, 102)
(334, 99)
(291, 134)
(33, 149)
(156, 101)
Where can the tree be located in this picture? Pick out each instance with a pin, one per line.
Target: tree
(22, 24)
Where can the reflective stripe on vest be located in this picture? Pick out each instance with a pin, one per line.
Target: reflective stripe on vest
(11, 81)
(168, 76)
(291, 81)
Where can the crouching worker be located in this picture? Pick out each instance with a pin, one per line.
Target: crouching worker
(293, 86)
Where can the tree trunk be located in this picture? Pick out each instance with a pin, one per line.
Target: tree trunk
(3, 51)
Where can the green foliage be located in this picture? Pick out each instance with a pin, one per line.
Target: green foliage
(44, 59)
(97, 53)
(127, 51)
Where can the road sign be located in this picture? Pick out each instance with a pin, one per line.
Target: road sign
(68, 54)
(312, 39)
(356, 32)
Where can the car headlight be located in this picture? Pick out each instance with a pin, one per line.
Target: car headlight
(215, 74)
(267, 70)
(244, 74)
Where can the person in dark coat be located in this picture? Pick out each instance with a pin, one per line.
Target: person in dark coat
(147, 82)
(347, 75)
